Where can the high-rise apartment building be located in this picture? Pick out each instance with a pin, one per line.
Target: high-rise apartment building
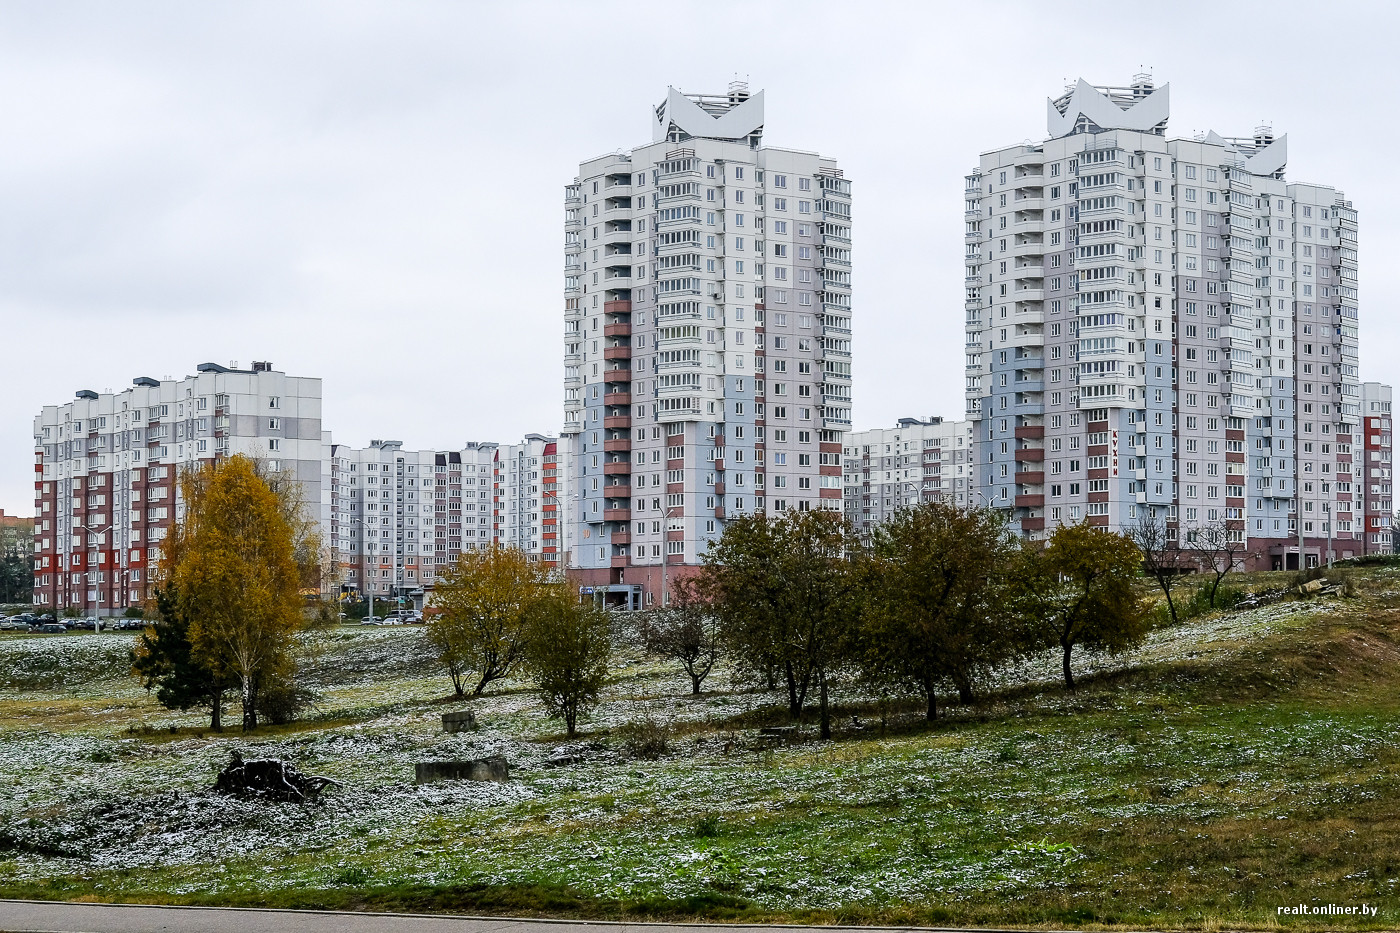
(918, 460)
(1373, 477)
(707, 332)
(106, 470)
(1162, 324)
(406, 513)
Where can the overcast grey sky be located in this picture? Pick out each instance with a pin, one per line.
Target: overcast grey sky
(372, 192)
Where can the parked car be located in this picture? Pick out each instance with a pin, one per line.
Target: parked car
(52, 628)
(372, 620)
(14, 624)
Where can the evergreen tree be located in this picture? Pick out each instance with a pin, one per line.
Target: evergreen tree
(164, 659)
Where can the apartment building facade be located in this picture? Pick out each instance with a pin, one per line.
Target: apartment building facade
(407, 513)
(707, 313)
(106, 471)
(917, 460)
(1164, 325)
(1373, 476)
(531, 491)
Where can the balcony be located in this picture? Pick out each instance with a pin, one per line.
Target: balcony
(617, 468)
(617, 515)
(1028, 454)
(617, 443)
(621, 537)
(617, 421)
(1030, 501)
(1030, 430)
(617, 398)
(1033, 524)
(1030, 477)
(617, 353)
(617, 330)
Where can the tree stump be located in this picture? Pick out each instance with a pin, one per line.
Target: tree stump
(269, 779)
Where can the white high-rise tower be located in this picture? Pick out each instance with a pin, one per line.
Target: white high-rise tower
(1164, 325)
(707, 339)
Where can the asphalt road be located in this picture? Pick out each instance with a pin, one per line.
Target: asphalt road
(59, 917)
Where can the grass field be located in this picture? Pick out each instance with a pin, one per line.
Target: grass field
(1231, 766)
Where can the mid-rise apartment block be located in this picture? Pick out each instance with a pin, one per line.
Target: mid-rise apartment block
(406, 513)
(1164, 325)
(918, 460)
(106, 470)
(707, 339)
(1373, 477)
(531, 488)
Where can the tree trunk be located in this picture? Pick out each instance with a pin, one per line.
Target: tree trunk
(826, 713)
(793, 707)
(570, 719)
(932, 696)
(1069, 674)
(250, 705)
(1171, 606)
(216, 712)
(964, 685)
(694, 684)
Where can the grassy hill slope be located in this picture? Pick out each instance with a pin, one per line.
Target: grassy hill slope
(1231, 766)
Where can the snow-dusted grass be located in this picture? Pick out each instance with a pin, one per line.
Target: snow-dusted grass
(1196, 780)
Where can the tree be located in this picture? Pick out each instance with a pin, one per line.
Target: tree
(1163, 557)
(486, 601)
(1078, 590)
(1219, 549)
(16, 577)
(785, 591)
(687, 631)
(936, 610)
(232, 564)
(568, 648)
(164, 659)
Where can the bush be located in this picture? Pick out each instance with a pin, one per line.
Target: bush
(647, 738)
(283, 702)
(706, 827)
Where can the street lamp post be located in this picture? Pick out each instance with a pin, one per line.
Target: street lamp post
(665, 557)
(96, 625)
(369, 580)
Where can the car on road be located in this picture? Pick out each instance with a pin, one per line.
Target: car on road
(371, 620)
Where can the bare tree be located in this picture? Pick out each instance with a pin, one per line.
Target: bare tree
(1217, 549)
(687, 631)
(1163, 558)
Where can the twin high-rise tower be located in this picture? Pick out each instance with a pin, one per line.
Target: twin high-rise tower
(707, 339)
(1163, 326)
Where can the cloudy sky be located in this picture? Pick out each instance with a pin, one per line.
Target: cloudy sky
(372, 192)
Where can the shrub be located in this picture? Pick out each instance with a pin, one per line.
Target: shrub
(647, 738)
(283, 702)
(706, 827)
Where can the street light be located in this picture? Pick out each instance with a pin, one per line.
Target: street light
(369, 580)
(97, 625)
(665, 557)
(559, 520)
